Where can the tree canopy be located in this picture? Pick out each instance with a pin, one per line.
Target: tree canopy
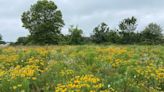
(75, 35)
(127, 27)
(152, 34)
(44, 22)
(128, 24)
(100, 33)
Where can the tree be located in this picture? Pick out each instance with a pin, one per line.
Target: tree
(75, 35)
(100, 33)
(113, 36)
(44, 22)
(128, 24)
(152, 34)
(0, 37)
(127, 27)
(1, 42)
(22, 41)
(87, 40)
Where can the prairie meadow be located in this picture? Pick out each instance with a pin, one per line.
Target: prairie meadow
(87, 68)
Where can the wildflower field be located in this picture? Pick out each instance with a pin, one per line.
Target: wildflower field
(82, 69)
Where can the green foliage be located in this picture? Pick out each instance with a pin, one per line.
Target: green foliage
(87, 40)
(0, 37)
(152, 34)
(127, 27)
(44, 22)
(128, 24)
(2, 42)
(22, 41)
(75, 36)
(113, 36)
(100, 33)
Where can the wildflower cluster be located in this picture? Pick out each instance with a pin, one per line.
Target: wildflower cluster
(79, 83)
(82, 69)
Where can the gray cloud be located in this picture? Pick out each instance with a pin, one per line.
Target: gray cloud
(85, 13)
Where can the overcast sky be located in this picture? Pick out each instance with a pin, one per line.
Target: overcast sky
(85, 13)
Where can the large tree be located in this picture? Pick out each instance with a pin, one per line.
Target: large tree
(127, 27)
(100, 33)
(152, 34)
(44, 22)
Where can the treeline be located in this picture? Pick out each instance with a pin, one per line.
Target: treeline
(44, 22)
(1, 41)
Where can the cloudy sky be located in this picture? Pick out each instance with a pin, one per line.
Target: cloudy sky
(85, 13)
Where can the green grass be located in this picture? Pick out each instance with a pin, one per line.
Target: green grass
(115, 68)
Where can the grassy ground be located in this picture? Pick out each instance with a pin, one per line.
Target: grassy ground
(82, 69)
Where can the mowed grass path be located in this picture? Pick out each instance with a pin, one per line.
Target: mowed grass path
(82, 69)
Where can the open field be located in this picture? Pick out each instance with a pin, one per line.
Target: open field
(82, 69)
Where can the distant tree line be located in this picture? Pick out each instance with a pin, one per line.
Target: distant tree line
(1, 41)
(44, 22)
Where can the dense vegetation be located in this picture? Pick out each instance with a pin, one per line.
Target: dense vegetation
(82, 69)
(1, 42)
(44, 22)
